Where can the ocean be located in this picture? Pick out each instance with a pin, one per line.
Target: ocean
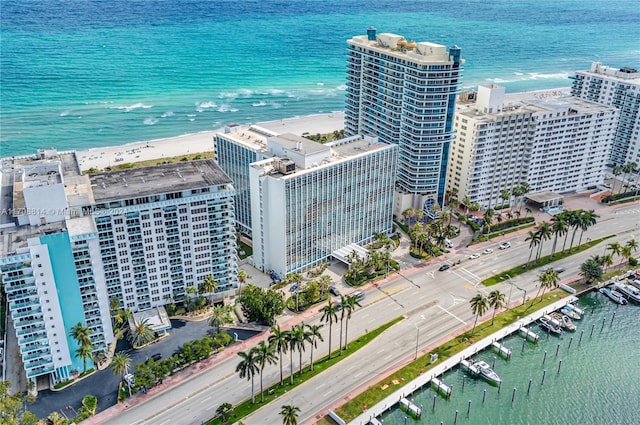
(79, 74)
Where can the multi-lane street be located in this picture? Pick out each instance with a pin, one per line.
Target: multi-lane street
(434, 303)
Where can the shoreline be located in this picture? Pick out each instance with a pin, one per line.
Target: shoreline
(201, 142)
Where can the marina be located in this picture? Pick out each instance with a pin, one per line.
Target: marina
(614, 295)
(533, 378)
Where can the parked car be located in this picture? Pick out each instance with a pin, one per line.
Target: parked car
(334, 291)
(294, 287)
(505, 245)
(474, 256)
(557, 269)
(487, 251)
(444, 267)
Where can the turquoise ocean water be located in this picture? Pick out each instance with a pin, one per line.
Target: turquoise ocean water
(598, 381)
(78, 74)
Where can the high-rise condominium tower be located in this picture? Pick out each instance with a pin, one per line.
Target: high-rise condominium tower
(404, 93)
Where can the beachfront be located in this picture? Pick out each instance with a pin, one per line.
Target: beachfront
(99, 158)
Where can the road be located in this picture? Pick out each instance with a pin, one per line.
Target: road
(434, 303)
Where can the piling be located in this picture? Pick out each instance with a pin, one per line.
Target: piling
(580, 340)
(570, 341)
(592, 328)
(544, 373)
(455, 418)
(559, 366)
(529, 387)
(493, 365)
(513, 395)
(557, 349)
(433, 408)
(613, 317)
(544, 358)
(499, 386)
(603, 320)
(468, 408)
(463, 376)
(484, 395)
(523, 343)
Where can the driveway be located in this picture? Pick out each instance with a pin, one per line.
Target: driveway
(104, 384)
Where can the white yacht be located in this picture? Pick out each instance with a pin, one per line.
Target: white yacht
(629, 290)
(614, 295)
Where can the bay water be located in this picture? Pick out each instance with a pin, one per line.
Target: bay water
(80, 74)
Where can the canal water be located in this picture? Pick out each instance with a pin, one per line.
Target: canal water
(593, 379)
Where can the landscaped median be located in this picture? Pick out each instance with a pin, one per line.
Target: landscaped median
(272, 393)
(380, 390)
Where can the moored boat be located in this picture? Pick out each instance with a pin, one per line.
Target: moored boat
(630, 291)
(614, 295)
(550, 326)
(568, 311)
(482, 369)
(564, 321)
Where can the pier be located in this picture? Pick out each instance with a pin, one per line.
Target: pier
(502, 351)
(429, 377)
(410, 408)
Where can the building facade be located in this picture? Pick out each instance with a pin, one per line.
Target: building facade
(142, 235)
(618, 88)
(404, 93)
(309, 200)
(550, 140)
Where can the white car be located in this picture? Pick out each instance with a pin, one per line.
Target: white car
(505, 245)
(487, 251)
(474, 256)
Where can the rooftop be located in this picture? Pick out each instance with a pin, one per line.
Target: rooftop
(164, 178)
(396, 45)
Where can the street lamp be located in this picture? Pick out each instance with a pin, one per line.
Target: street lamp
(524, 297)
(510, 289)
(417, 338)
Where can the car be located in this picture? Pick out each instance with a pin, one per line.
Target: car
(156, 357)
(334, 291)
(556, 269)
(474, 256)
(294, 287)
(505, 245)
(487, 251)
(444, 267)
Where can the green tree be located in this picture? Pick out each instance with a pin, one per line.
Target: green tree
(534, 240)
(496, 301)
(349, 304)
(120, 366)
(11, 407)
(559, 227)
(259, 305)
(544, 233)
(588, 219)
(90, 403)
(220, 315)
(208, 286)
(489, 214)
(222, 410)
(289, 414)
(264, 355)
(479, 306)
(247, 368)
(314, 334)
(330, 316)
(591, 270)
(279, 341)
(547, 279)
(633, 244)
(141, 333)
(84, 352)
(82, 334)
(298, 336)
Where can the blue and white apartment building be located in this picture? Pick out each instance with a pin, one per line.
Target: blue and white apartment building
(404, 93)
(71, 241)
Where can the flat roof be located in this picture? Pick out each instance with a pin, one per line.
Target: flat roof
(294, 142)
(114, 185)
(544, 196)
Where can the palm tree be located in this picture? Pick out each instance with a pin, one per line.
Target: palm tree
(633, 244)
(607, 260)
(496, 300)
(120, 366)
(343, 313)
(615, 248)
(299, 336)
(575, 221)
(407, 215)
(488, 218)
(516, 192)
(314, 334)
(524, 189)
(626, 252)
(506, 196)
(222, 411)
(535, 240)
(627, 168)
(589, 218)
(478, 307)
(278, 340)
(209, 286)
(349, 304)
(289, 414)
(247, 368)
(264, 355)
(548, 279)
(544, 233)
(141, 333)
(219, 316)
(329, 315)
(617, 170)
(591, 270)
(82, 334)
(559, 228)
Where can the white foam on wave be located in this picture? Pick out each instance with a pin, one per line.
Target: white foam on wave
(65, 113)
(228, 95)
(532, 76)
(258, 104)
(201, 106)
(342, 87)
(150, 121)
(276, 105)
(226, 108)
(132, 107)
(167, 114)
(319, 84)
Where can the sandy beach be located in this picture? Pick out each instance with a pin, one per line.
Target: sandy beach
(100, 158)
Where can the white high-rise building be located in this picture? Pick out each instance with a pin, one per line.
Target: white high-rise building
(404, 93)
(309, 199)
(73, 241)
(550, 140)
(618, 88)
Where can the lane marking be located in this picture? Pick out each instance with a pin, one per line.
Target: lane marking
(452, 315)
